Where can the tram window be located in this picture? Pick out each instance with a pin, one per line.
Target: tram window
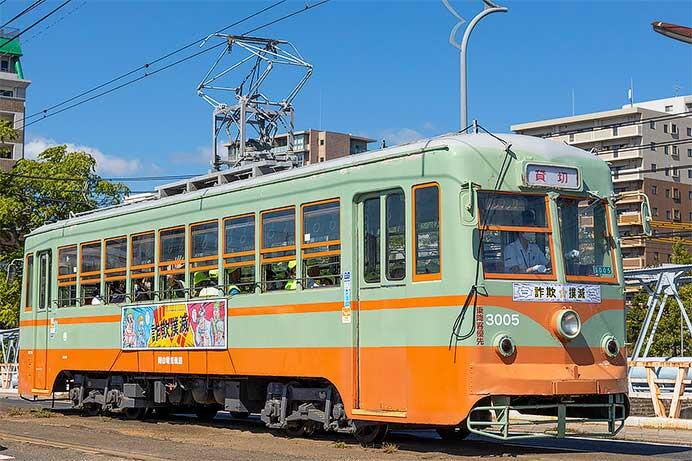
(516, 236)
(44, 279)
(204, 258)
(426, 206)
(321, 248)
(371, 234)
(239, 254)
(142, 266)
(586, 241)
(396, 236)
(172, 263)
(115, 270)
(278, 251)
(90, 273)
(67, 276)
(29, 282)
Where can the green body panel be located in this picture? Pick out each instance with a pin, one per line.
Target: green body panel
(451, 161)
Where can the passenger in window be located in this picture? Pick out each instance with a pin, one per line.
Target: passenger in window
(143, 290)
(313, 280)
(117, 291)
(291, 282)
(175, 287)
(233, 280)
(522, 256)
(205, 282)
(96, 300)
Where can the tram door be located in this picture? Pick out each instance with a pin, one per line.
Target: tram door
(41, 329)
(382, 368)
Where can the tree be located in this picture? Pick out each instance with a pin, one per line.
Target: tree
(668, 333)
(53, 187)
(7, 133)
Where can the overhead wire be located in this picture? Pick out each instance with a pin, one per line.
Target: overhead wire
(145, 66)
(23, 12)
(35, 23)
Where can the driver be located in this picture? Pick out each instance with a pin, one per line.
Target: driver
(522, 256)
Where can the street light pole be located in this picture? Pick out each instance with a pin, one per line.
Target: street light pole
(488, 8)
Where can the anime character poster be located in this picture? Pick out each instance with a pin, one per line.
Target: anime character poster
(190, 325)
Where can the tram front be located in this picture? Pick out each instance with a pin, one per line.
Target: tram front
(549, 302)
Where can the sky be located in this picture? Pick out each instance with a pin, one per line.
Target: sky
(382, 69)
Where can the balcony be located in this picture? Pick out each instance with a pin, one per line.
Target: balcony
(633, 263)
(630, 218)
(632, 242)
(622, 132)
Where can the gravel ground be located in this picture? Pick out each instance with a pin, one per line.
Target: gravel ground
(28, 432)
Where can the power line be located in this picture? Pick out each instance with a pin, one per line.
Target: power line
(43, 18)
(52, 24)
(148, 64)
(657, 118)
(23, 12)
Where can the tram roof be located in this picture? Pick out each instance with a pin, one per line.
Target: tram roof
(545, 148)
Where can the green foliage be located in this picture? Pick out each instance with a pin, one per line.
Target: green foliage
(7, 131)
(31, 196)
(667, 339)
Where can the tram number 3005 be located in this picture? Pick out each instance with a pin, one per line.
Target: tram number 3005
(502, 320)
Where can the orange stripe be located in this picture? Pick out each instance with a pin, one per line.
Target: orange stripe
(542, 316)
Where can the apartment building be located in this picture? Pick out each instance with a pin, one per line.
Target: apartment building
(649, 148)
(12, 97)
(314, 146)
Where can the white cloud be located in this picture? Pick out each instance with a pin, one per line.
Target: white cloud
(200, 156)
(400, 136)
(428, 126)
(106, 164)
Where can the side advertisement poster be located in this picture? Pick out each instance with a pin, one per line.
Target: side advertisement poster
(185, 325)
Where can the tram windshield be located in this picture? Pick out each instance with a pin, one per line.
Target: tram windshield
(516, 235)
(586, 242)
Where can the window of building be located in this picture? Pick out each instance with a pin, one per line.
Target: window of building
(426, 239)
(653, 167)
(668, 215)
(654, 190)
(321, 142)
(652, 146)
(669, 108)
(115, 272)
(278, 249)
(654, 211)
(689, 174)
(571, 137)
(321, 248)
(29, 282)
(204, 259)
(675, 150)
(371, 236)
(511, 223)
(652, 125)
(673, 128)
(676, 215)
(676, 171)
(689, 131)
(90, 273)
(67, 276)
(667, 193)
(665, 128)
(142, 266)
(239, 254)
(4, 65)
(666, 171)
(689, 153)
(615, 131)
(172, 263)
(395, 238)
(666, 150)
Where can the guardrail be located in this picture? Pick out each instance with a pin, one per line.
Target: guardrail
(661, 389)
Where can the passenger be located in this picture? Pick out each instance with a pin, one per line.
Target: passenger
(175, 288)
(233, 279)
(522, 256)
(205, 285)
(313, 274)
(291, 282)
(117, 294)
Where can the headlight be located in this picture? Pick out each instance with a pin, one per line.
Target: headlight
(610, 345)
(567, 324)
(505, 345)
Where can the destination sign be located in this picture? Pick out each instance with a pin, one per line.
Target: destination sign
(556, 292)
(561, 177)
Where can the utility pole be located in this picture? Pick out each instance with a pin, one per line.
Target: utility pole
(488, 8)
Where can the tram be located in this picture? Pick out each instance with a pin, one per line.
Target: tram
(441, 283)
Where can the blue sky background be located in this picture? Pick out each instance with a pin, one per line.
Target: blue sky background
(382, 69)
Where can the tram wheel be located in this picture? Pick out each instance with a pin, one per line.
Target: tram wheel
(207, 413)
(295, 429)
(371, 434)
(134, 413)
(91, 409)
